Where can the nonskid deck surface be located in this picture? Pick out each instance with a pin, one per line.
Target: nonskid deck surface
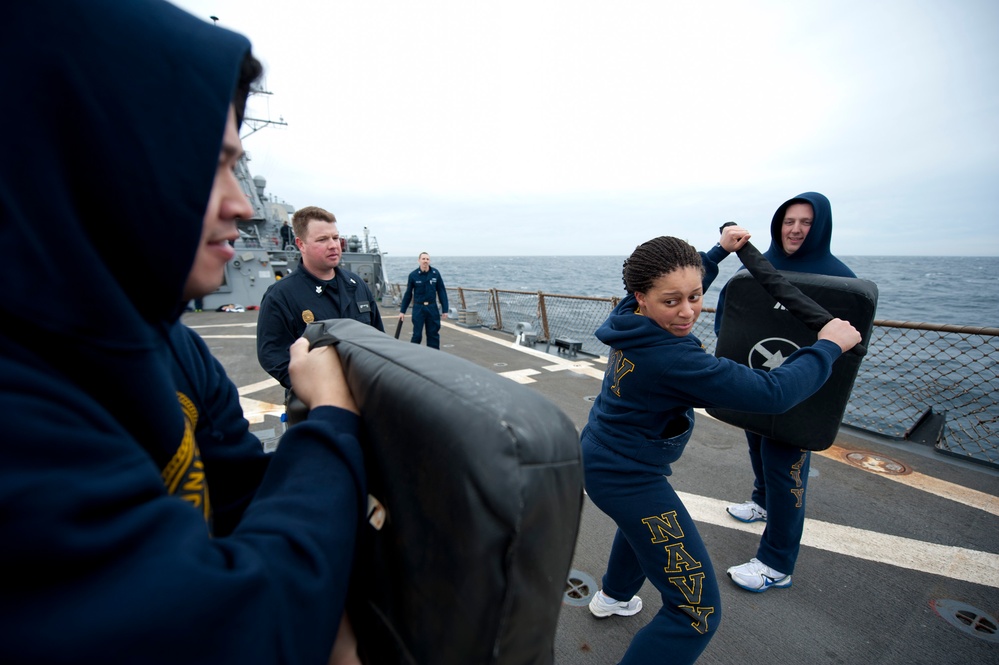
(899, 561)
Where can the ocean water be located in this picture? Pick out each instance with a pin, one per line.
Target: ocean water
(930, 289)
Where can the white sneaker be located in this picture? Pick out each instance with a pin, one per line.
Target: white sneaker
(757, 576)
(603, 605)
(747, 512)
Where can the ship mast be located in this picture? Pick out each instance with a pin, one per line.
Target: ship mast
(255, 124)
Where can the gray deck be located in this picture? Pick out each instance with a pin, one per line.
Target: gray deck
(880, 550)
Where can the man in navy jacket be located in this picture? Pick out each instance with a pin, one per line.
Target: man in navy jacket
(424, 287)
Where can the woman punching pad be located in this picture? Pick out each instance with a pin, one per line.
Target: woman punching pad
(476, 492)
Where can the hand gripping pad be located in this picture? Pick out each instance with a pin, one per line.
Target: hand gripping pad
(757, 331)
(482, 484)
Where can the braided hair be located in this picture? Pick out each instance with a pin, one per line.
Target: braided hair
(655, 258)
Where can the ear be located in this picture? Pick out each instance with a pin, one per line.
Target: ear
(640, 297)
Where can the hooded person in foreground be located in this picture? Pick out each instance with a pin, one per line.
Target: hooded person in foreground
(801, 233)
(141, 517)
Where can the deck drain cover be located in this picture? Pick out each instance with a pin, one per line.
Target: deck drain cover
(579, 588)
(967, 619)
(877, 463)
(590, 398)
(499, 364)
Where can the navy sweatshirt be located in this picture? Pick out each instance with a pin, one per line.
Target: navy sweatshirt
(654, 377)
(123, 446)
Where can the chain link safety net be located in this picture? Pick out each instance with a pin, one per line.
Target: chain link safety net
(910, 368)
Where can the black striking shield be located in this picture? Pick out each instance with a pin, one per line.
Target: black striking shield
(476, 488)
(809, 312)
(760, 331)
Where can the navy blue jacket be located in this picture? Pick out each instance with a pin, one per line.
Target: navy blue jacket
(814, 256)
(300, 298)
(424, 287)
(117, 424)
(655, 378)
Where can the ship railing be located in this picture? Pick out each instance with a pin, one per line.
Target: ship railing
(911, 369)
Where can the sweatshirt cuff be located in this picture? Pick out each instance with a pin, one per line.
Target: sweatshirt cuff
(717, 254)
(346, 422)
(829, 348)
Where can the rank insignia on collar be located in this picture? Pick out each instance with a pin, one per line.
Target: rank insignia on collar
(319, 289)
(308, 316)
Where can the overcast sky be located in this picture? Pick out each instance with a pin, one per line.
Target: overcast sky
(585, 128)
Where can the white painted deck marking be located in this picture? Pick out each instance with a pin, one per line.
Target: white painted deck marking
(227, 325)
(254, 410)
(579, 368)
(259, 385)
(254, 336)
(522, 376)
(558, 365)
(958, 563)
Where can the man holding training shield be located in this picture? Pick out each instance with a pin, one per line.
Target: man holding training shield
(801, 232)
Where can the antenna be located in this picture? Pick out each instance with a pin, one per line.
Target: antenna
(256, 124)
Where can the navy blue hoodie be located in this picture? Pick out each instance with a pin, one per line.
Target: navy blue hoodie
(655, 378)
(115, 114)
(814, 256)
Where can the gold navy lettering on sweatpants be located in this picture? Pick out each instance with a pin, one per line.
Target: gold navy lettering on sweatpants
(690, 585)
(797, 490)
(666, 530)
(664, 527)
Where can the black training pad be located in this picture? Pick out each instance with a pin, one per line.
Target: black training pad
(483, 484)
(754, 327)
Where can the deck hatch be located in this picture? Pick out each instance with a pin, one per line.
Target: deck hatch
(967, 619)
(579, 588)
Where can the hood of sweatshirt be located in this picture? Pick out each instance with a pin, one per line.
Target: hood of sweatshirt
(814, 255)
(116, 113)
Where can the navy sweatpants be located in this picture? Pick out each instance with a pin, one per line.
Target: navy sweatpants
(781, 478)
(427, 316)
(656, 540)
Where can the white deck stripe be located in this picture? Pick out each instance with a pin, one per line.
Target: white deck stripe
(255, 410)
(228, 336)
(954, 562)
(522, 376)
(557, 364)
(234, 324)
(259, 385)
